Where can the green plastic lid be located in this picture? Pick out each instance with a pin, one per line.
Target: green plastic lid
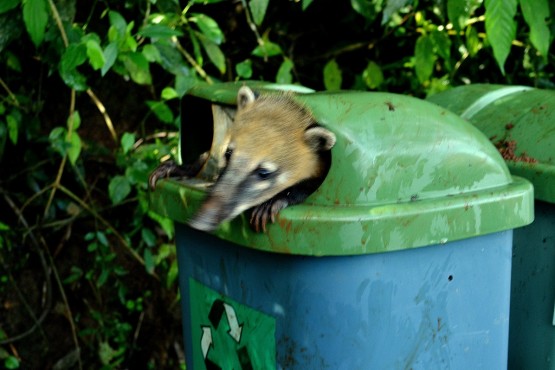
(405, 173)
(519, 120)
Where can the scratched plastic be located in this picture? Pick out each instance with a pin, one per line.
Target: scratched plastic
(525, 118)
(405, 173)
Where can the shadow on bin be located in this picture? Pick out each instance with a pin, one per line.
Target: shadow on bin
(521, 122)
(401, 259)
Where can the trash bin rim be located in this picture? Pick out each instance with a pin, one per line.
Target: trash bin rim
(364, 228)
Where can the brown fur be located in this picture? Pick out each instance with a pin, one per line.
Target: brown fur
(272, 129)
(276, 160)
(277, 156)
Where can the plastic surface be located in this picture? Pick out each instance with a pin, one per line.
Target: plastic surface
(517, 114)
(526, 117)
(532, 322)
(405, 173)
(438, 307)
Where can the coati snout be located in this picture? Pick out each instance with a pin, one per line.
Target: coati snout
(277, 156)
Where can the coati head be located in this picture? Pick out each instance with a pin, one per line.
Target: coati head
(277, 156)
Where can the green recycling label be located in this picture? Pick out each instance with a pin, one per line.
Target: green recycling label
(229, 335)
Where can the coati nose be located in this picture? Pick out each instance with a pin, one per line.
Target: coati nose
(210, 215)
(200, 223)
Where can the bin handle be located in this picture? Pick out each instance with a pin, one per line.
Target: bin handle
(489, 98)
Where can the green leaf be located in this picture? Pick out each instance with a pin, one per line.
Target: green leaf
(258, 10)
(74, 121)
(110, 56)
(12, 61)
(173, 273)
(208, 27)
(161, 110)
(169, 93)
(393, 6)
(183, 84)
(536, 13)
(89, 236)
(171, 59)
(148, 237)
(101, 237)
(459, 11)
(95, 54)
(372, 75)
(76, 274)
(151, 53)
(306, 3)
(118, 189)
(13, 128)
(57, 139)
(149, 261)
(138, 173)
(159, 31)
(74, 148)
(74, 55)
(284, 75)
(424, 58)
(196, 47)
(365, 8)
(130, 41)
(164, 252)
(165, 223)
(214, 53)
(333, 76)
(35, 17)
(244, 69)
(106, 353)
(473, 42)
(11, 363)
(267, 49)
(438, 85)
(127, 142)
(6, 5)
(442, 44)
(118, 22)
(138, 68)
(500, 28)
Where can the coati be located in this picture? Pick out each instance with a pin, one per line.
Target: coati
(277, 156)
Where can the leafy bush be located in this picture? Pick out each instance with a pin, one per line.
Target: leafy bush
(89, 106)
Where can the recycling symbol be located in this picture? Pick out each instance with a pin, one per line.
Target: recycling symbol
(218, 311)
(227, 334)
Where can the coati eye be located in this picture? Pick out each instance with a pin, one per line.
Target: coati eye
(263, 173)
(228, 153)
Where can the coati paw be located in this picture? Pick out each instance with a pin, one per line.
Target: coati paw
(265, 212)
(172, 169)
(164, 170)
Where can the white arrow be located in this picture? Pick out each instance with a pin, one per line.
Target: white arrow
(205, 341)
(234, 328)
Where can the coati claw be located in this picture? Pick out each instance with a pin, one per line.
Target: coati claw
(267, 210)
(172, 169)
(165, 170)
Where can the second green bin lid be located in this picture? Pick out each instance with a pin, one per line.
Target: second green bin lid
(405, 173)
(519, 120)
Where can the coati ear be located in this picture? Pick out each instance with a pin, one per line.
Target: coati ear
(319, 138)
(245, 96)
